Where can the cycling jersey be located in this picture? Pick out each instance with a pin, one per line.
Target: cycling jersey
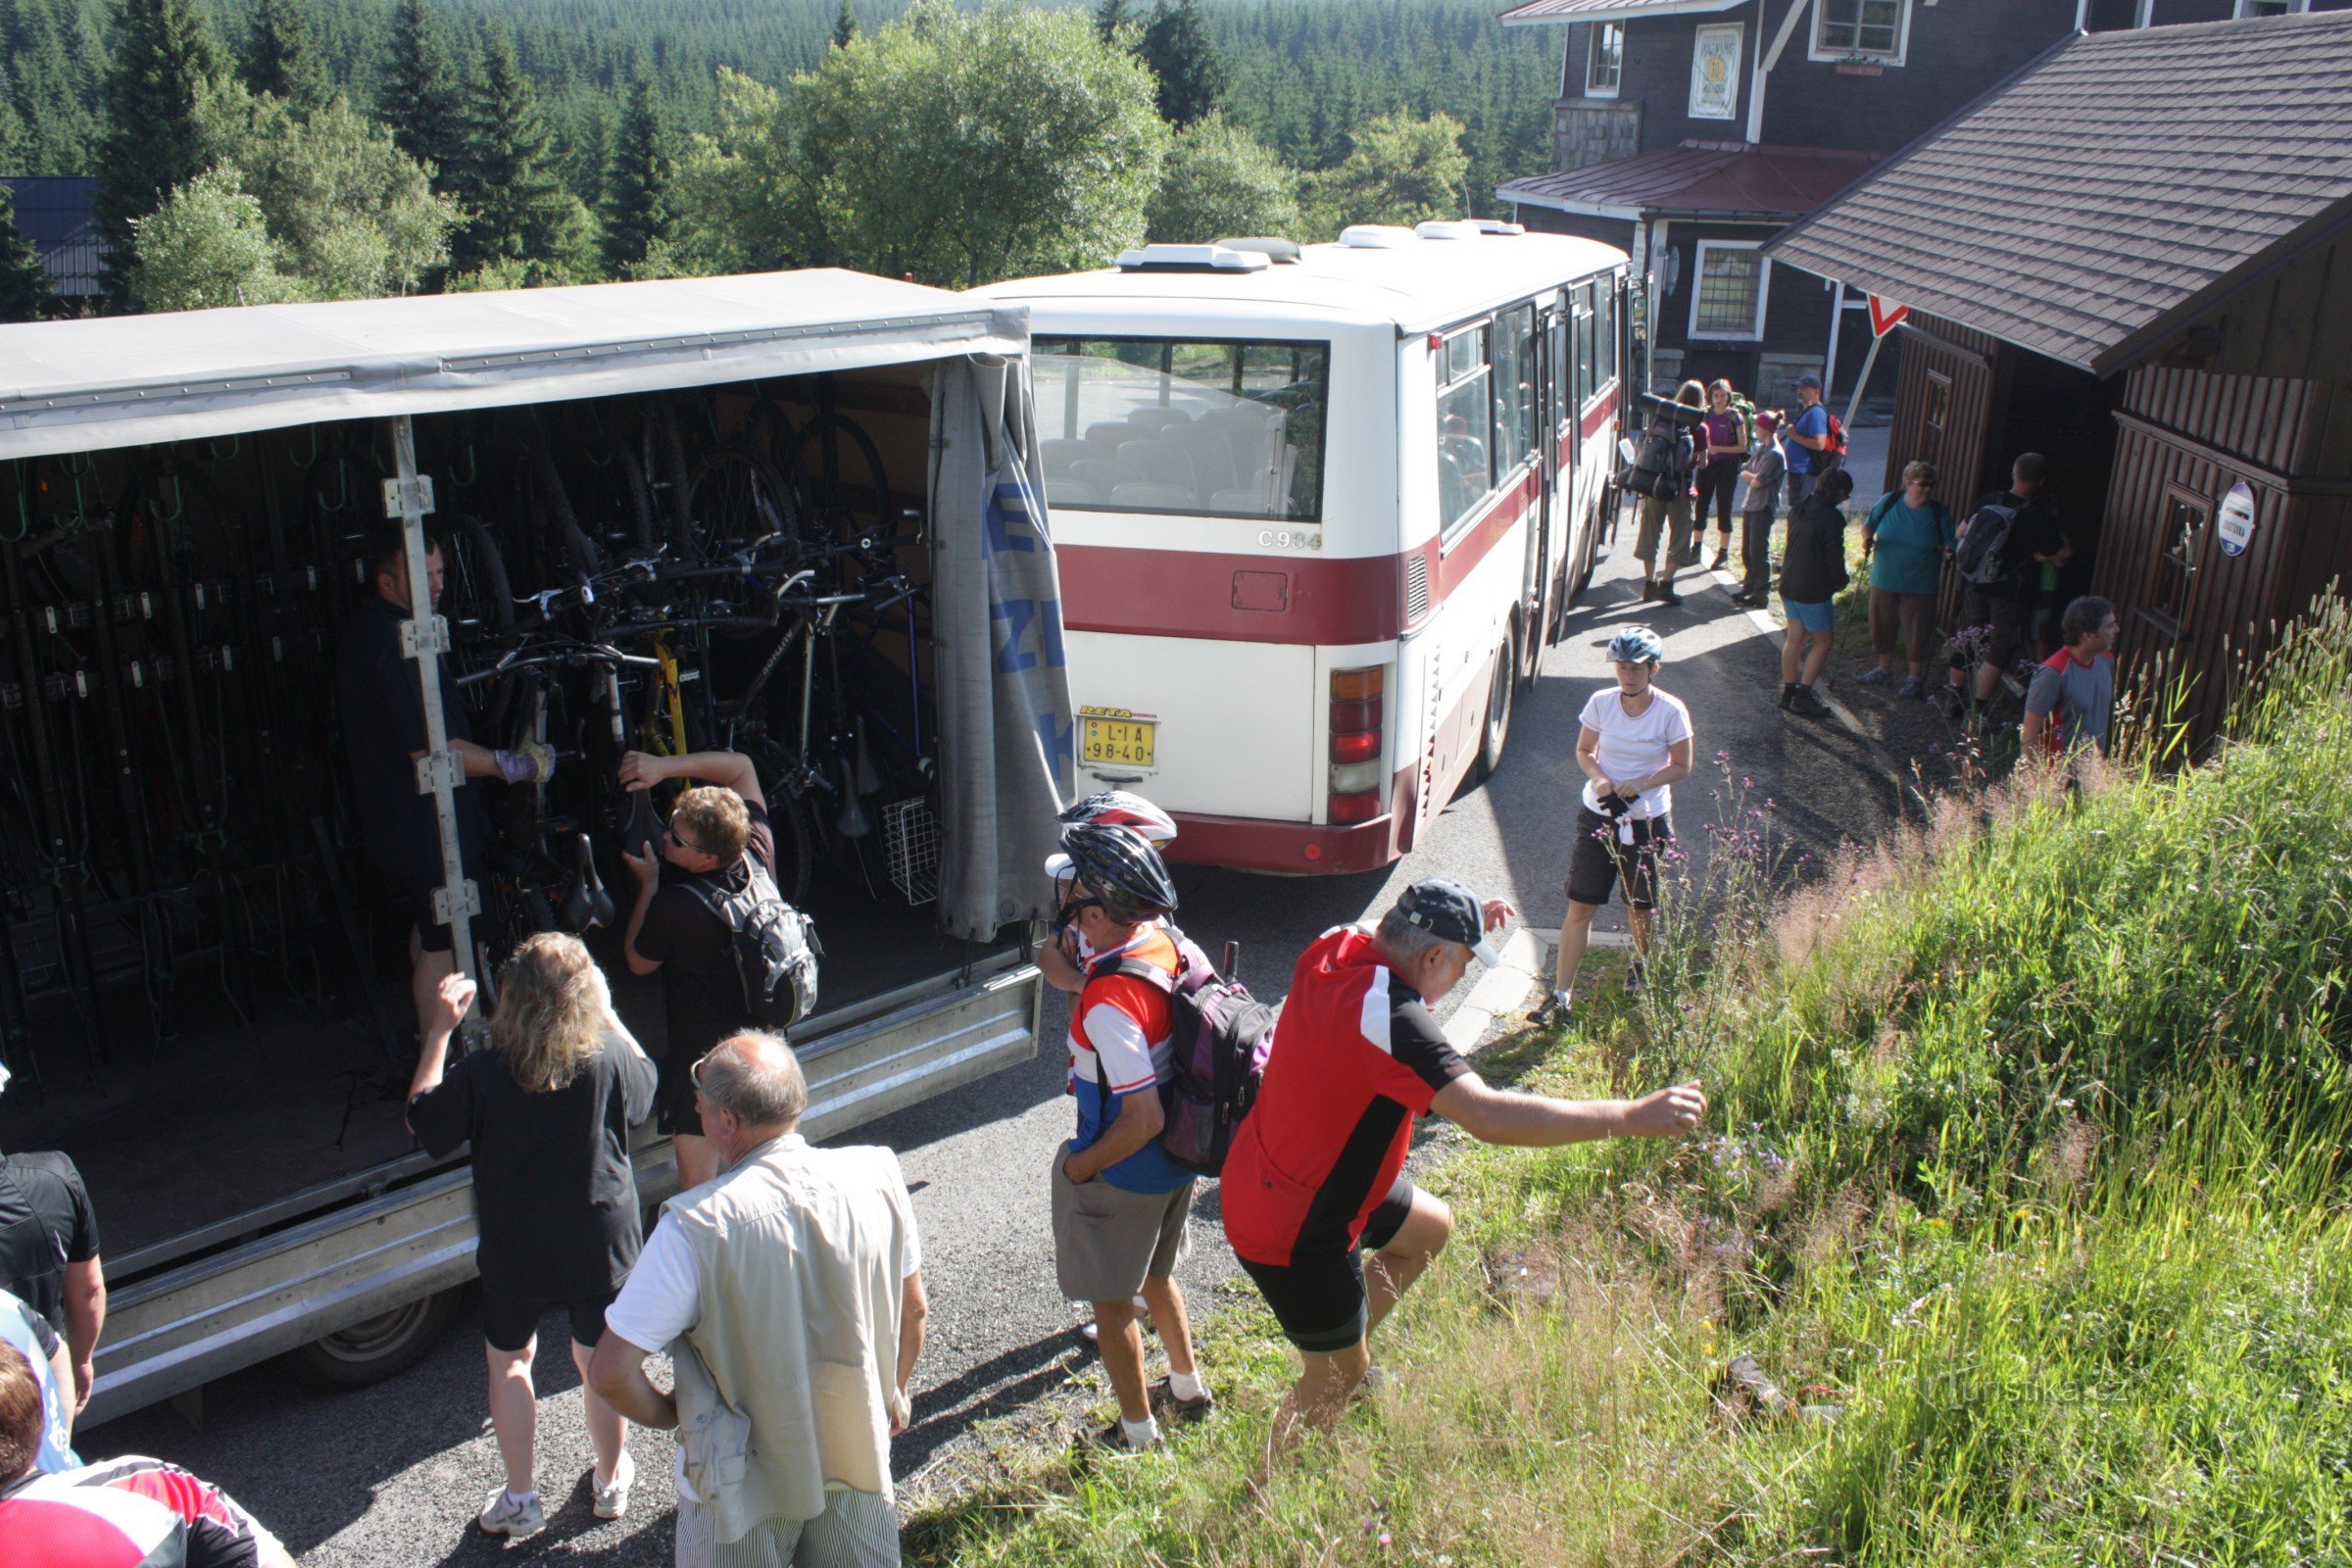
(1119, 1033)
(1357, 1056)
(126, 1513)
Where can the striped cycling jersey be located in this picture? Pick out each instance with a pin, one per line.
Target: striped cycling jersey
(1357, 1056)
(129, 1513)
(1119, 1040)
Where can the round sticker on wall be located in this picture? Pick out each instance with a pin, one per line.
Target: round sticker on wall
(2235, 526)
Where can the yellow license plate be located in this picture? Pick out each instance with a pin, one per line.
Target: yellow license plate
(1118, 741)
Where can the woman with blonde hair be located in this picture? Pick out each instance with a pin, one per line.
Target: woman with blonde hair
(548, 1110)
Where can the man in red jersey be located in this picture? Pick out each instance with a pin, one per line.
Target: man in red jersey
(1315, 1178)
(118, 1513)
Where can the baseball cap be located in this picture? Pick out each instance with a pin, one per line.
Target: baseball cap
(1450, 913)
(1809, 379)
(1766, 419)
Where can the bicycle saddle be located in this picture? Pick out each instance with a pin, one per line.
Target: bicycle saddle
(644, 824)
(587, 904)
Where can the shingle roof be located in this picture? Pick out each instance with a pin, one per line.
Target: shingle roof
(1721, 178)
(2086, 205)
(53, 212)
(1536, 12)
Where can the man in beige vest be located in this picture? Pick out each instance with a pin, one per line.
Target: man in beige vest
(789, 1290)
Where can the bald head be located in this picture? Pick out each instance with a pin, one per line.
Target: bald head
(756, 1079)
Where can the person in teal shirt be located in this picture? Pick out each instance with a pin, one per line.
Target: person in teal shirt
(1907, 538)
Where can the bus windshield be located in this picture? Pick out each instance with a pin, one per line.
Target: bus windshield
(1209, 429)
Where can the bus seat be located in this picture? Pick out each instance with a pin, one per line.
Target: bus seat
(1159, 419)
(1108, 434)
(1157, 496)
(1062, 490)
(1156, 462)
(1248, 502)
(1097, 474)
(1058, 456)
(1209, 453)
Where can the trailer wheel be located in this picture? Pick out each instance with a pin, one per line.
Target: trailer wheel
(1495, 733)
(375, 1349)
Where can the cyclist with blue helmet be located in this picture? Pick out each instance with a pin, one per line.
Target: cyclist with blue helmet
(1635, 745)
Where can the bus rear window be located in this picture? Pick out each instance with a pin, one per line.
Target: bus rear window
(1211, 429)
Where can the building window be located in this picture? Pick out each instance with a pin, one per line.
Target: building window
(1715, 71)
(2272, 8)
(1861, 30)
(1607, 64)
(2184, 522)
(1728, 299)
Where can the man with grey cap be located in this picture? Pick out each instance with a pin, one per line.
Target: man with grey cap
(790, 1292)
(1314, 1179)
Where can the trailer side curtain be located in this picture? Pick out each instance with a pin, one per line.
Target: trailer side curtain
(1005, 747)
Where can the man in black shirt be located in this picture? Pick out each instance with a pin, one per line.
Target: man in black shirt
(2003, 607)
(49, 1252)
(383, 735)
(714, 830)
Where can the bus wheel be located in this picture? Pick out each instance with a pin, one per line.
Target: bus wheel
(1495, 733)
(375, 1349)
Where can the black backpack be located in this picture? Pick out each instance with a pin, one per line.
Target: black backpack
(1662, 462)
(1980, 555)
(1217, 1052)
(775, 946)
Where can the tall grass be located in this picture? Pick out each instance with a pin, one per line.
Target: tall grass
(2026, 1164)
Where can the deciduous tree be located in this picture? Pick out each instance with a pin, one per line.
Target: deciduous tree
(206, 246)
(1220, 180)
(1401, 169)
(165, 58)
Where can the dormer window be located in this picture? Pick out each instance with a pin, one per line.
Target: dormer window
(1861, 30)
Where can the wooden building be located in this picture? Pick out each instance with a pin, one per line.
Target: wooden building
(2135, 258)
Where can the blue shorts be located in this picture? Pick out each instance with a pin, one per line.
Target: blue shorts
(1813, 617)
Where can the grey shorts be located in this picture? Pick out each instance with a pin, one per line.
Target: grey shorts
(857, 1529)
(1107, 1240)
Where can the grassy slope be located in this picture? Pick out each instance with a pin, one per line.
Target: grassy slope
(2026, 1149)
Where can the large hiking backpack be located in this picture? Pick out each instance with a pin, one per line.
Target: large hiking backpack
(1217, 1053)
(775, 946)
(1980, 555)
(1663, 458)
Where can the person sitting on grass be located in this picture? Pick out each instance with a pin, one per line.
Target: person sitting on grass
(1314, 1179)
(1812, 571)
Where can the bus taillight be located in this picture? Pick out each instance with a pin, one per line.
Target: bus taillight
(1357, 737)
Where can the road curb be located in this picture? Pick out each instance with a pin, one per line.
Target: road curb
(1526, 959)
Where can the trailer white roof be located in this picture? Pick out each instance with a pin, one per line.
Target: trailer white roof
(131, 380)
(1415, 285)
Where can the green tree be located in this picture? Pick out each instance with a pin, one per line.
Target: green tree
(637, 185)
(418, 98)
(206, 246)
(516, 205)
(1401, 171)
(164, 60)
(956, 147)
(25, 292)
(1191, 74)
(46, 79)
(281, 56)
(1113, 19)
(845, 28)
(1220, 180)
(350, 215)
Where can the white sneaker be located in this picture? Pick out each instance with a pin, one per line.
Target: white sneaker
(512, 1517)
(613, 1501)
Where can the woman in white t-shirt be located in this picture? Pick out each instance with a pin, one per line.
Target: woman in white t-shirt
(1635, 747)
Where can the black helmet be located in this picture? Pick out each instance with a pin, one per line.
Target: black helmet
(1120, 870)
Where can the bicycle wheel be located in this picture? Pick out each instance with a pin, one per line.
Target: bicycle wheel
(850, 488)
(735, 501)
(479, 606)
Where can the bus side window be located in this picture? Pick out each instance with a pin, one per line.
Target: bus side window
(1586, 383)
(1563, 406)
(1465, 425)
(1604, 364)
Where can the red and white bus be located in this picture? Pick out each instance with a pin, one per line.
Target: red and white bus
(1318, 511)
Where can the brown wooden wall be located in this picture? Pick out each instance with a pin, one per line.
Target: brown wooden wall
(1952, 381)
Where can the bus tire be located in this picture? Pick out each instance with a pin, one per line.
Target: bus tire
(380, 1346)
(1496, 732)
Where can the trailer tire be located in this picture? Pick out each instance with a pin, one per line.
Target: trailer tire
(378, 1348)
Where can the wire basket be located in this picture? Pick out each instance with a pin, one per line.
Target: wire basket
(911, 843)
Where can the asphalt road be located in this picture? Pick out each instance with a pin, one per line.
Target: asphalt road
(393, 1474)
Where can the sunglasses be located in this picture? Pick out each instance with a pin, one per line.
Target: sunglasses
(684, 843)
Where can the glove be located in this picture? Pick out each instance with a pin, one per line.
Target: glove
(530, 764)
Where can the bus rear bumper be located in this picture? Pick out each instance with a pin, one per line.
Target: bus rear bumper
(1299, 849)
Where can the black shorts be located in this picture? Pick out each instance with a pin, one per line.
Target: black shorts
(1319, 1300)
(2006, 617)
(509, 1320)
(1599, 857)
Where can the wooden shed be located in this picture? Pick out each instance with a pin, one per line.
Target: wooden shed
(2135, 257)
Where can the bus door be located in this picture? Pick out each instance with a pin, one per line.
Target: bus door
(1544, 539)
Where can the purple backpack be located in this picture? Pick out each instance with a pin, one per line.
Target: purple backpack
(1217, 1052)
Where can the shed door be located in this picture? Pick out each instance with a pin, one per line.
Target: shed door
(1942, 407)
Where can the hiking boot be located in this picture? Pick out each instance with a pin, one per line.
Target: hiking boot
(1721, 555)
(515, 1518)
(1787, 694)
(1111, 1440)
(1802, 703)
(612, 1502)
(1948, 700)
(1877, 676)
(1551, 1012)
(1650, 590)
(1168, 1407)
(1913, 687)
(1668, 597)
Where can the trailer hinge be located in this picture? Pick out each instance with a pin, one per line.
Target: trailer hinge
(431, 638)
(397, 505)
(446, 908)
(436, 767)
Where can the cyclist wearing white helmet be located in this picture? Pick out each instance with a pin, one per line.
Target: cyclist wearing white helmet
(1634, 748)
(1065, 957)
